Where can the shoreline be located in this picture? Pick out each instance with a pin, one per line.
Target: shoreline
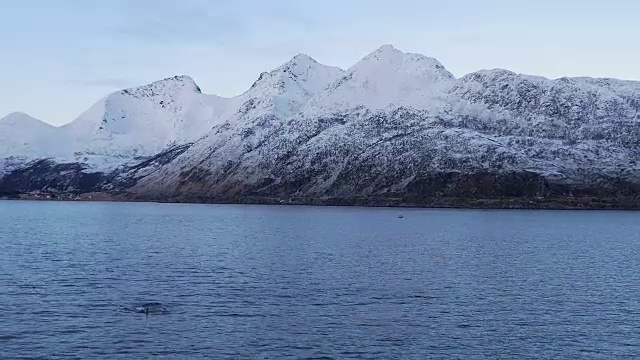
(551, 203)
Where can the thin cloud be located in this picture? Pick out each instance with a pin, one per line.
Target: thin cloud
(457, 36)
(105, 82)
(206, 21)
(170, 21)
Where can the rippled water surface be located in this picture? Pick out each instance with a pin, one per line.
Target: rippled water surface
(304, 282)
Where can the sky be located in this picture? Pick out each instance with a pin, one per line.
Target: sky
(59, 57)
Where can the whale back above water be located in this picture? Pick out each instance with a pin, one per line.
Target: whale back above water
(149, 308)
(151, 304)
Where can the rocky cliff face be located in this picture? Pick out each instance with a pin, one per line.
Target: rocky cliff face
(398, 125)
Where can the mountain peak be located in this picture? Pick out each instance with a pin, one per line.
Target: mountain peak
(387, 48)
(178, 78)
(182, 80)
(176, 83)
(385, 53)
(15, 115)
(396, 60)
(20, 117)
(303, 58)
(390, 77)
(300, 64)
(303, 71)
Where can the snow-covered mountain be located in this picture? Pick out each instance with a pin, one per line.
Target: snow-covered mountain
(145, 120)
(24, 136)
(120, 128)
(393, 125)
(387, 78)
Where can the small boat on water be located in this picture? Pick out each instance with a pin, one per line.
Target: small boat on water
(400, 216)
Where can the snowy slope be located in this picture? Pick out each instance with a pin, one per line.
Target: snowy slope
(285, 90)
(387, 78)
(121, 127)
(24, 136)
(274, 97)
(143, 121)
(393, 123)
(397, 122)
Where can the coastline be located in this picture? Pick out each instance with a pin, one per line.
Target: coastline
(521, 203)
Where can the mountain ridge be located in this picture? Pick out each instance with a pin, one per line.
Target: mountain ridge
(383, 48)
(394, 124)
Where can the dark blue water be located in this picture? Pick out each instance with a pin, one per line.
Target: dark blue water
(302, 282)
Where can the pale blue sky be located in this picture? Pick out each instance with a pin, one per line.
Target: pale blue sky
(58, 57)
